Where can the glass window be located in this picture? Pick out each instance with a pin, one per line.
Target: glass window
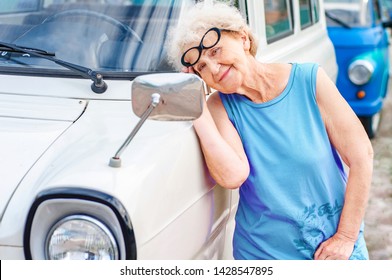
(18, 6)
(377, 11)
(309, 12)
(305, 13)
(386, 9)
(352, 13)
(316, 10)
(115, 37)
(278, 19)
(239, 4)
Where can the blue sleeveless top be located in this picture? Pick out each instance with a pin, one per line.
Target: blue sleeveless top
(293, 197)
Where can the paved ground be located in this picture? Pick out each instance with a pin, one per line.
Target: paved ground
(378, 218)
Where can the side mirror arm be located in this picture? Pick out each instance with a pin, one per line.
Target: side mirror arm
(115, 161)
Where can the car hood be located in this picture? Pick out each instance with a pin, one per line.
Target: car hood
(355, 37)
(76, 155)
(29, 125)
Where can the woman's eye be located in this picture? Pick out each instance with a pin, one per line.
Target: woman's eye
(200, 67)
(215, 51)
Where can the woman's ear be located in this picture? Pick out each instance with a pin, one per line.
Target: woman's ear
(245, 39)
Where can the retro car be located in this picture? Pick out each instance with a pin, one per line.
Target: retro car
(361, 44)
(99, 158)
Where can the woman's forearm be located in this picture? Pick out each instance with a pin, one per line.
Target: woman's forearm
(227, 166)
(356, 198)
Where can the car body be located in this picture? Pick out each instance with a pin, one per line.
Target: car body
(88, 170)
(361, 45)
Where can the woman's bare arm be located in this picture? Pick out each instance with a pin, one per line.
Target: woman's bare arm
(348, 136)
(221, 145)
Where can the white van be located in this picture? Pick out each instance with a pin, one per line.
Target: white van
(99, 160)
(292, 31)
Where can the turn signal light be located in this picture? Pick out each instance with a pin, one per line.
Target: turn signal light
(361, 94)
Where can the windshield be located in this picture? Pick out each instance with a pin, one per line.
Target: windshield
(353, 13)
(104, 35)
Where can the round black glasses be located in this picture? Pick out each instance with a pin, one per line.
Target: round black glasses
(209, 40)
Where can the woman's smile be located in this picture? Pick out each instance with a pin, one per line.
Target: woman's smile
(225, 74)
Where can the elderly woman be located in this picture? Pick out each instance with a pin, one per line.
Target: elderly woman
(278, 132)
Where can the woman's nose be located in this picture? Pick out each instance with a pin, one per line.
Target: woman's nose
(214, 66)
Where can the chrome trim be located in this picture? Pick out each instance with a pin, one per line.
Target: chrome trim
(80, 217)
(364, 63)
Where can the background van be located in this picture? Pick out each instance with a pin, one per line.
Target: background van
(359, 32)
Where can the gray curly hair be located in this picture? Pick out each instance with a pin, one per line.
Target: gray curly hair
(197, 20)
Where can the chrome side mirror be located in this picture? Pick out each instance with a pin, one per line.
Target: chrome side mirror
(165, 97)
(181, 96)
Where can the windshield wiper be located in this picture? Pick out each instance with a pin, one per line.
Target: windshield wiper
(4, 47)
(98, 85)
(338, 21)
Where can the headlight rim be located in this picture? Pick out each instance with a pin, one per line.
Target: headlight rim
(82, 217)
(129, 251)
(364, 63)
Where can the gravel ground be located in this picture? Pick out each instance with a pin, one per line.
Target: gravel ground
(378, 217)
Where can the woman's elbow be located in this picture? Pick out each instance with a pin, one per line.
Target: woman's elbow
(368, 153)
(236, 179)
(362, 158)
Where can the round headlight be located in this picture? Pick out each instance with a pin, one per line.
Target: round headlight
(80, 237)
(360, 72)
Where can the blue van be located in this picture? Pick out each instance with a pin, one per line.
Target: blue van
(361, 44)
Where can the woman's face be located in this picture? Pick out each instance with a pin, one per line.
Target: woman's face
(223, 66)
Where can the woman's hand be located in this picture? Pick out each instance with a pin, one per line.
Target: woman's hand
(188, 70)
(338, 247)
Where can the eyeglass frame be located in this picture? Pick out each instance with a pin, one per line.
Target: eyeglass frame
(201, 47)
